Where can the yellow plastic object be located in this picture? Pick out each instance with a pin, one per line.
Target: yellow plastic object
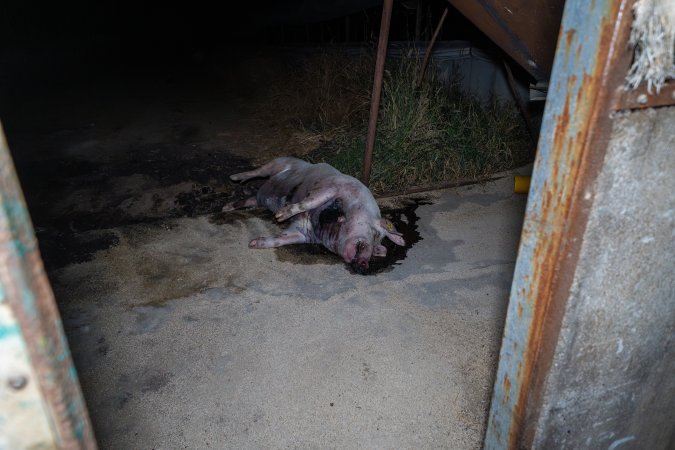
(521, 184)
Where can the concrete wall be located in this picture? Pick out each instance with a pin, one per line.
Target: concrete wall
(612, 382)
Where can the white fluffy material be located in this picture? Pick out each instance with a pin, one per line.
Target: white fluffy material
(653, 37)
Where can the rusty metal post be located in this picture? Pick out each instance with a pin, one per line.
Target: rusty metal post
(522, 106)
(430, 47)
(418, 21)
(41, 405)
(590, 63)
(377, 89)
(347, 26)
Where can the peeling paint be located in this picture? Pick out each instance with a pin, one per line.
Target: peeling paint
(8, 330)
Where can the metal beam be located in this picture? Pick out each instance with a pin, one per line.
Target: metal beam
(641, 98)
(526, 30)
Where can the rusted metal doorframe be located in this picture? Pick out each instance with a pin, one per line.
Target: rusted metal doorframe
(41, 404)
(592, 59)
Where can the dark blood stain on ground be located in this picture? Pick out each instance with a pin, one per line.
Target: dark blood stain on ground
(74, 234)
(404, 219)
(240, 216)
(166, 163)
(60, 248)
(169, 163)
(200, 200)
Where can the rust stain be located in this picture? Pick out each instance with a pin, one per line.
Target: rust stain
(606, 37)
(587, 80)
(546, 202)
(569, 37)
(507, 389)
(496, 428)
(520, 313)
(560, 130)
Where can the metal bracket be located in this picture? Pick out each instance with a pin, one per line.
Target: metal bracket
(640, 98)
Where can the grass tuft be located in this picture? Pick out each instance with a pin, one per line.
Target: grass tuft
(428, 135)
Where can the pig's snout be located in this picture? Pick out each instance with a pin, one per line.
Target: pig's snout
(357, 254)
(360, 266)
(363, 253)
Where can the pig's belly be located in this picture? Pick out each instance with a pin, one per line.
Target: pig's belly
(275, 194)
(286, 188)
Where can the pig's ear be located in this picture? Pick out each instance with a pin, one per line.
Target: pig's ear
(380, 250)
(389, 231)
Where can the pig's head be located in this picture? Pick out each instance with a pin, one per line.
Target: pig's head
(362, 239)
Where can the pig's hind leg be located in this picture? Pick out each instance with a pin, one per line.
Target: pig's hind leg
(271, 168)
(250, 202)
(286, 238)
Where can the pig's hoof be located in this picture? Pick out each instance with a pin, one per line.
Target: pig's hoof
(228, 207)
(283, 214)
(257, 243)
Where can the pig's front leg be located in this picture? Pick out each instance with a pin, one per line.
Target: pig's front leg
(290, 237)
(314, 199)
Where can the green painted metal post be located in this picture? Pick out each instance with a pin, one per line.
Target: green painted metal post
(41, 404)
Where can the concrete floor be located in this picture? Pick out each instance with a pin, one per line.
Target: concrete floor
(185, 338)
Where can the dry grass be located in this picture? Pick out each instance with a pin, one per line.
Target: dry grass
(326, 93)
(434, 134)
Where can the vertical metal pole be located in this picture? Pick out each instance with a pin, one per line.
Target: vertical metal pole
(347, 30)
(418, 21)
(427, 54)
(427, 29)
(41, 404)
(377, 88)
(521, 105)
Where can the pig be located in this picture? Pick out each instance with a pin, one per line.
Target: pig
(324, 207)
